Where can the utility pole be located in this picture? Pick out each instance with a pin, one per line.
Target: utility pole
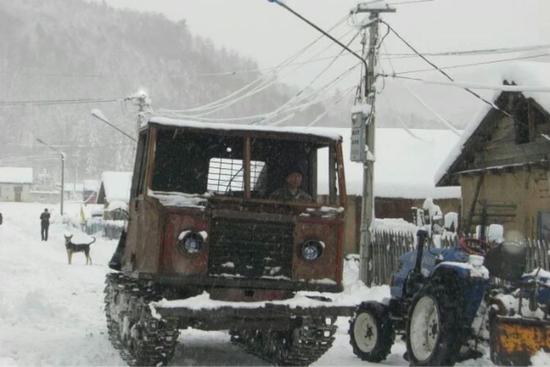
(368, 127)
(143, 102)
(363, 127)
(62, 155)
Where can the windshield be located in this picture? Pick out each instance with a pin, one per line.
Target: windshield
(235, 166)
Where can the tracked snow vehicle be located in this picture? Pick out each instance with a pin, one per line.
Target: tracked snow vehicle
(209, 247)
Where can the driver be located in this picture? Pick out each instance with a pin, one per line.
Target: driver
(291, 191)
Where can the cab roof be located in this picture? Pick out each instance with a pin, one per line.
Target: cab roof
(276, 132)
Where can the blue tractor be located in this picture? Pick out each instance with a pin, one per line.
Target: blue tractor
(442, 301)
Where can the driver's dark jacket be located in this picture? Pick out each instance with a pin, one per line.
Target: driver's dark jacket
(284, 194)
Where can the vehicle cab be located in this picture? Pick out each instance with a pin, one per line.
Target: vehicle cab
(204, 210)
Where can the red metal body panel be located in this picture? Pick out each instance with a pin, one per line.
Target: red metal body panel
(174, 260)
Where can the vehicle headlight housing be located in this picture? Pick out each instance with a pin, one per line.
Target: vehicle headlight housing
(191, 242)
(312, 250)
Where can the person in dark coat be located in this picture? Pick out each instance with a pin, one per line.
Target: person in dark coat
(292, 191)
(44, 224)
(1, 219)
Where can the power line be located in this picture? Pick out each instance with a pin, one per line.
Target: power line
(442, 71)
(312, 81)
(56, 102)
(458, 66)
(473, 85)
(261, 79)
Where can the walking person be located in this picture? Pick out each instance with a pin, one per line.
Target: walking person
(44, 224)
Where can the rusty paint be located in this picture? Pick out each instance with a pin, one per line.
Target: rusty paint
(326, 267)
(173, 260)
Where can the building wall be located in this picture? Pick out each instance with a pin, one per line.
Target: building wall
(7, 192)
(514, 199)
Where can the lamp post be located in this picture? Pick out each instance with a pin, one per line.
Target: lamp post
(62, 155)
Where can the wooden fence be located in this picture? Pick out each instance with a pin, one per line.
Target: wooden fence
(537, 254)
(388, 246)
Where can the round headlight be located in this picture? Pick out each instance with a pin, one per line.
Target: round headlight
(190, 242)
(312, 250)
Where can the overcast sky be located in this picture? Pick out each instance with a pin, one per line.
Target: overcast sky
(269, 34)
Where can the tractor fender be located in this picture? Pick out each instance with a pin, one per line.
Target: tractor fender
(472, 286)
(461, 270)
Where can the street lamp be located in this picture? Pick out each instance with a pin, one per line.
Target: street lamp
(62, 169)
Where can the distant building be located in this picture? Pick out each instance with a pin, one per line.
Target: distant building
(15, 183)
(502, 162)
(404, 170)
(89, 191)
(114, 194)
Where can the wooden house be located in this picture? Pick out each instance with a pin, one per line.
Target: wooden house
(502, 165)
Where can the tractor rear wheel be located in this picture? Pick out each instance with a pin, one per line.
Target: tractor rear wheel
(434, 328)
(371, 332)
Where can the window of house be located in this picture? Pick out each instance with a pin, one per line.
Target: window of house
(544, 226)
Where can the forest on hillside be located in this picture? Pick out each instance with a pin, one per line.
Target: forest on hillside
(75, 51)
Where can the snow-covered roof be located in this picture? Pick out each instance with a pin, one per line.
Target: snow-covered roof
(526, 73)
(91, 185)
(18, 175)
(308, 131)
(71, 186)
(116, 185)
(405, 164)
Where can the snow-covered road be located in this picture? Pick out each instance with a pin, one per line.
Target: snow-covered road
(51, 313)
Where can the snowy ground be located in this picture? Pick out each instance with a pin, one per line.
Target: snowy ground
(51, 313)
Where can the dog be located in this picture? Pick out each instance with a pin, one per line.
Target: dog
(77, 247)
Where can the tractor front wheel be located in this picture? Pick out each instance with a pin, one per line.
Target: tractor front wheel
(371, 332)
(434, 332)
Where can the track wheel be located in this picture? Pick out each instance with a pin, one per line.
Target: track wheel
(434, 332)
(141, 339)
(371, 332)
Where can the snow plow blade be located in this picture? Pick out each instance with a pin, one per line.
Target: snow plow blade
(514, 340)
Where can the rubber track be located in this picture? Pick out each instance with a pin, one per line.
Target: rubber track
(158, 337)
(307, 344)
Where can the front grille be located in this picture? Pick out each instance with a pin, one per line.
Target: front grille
(249, 248)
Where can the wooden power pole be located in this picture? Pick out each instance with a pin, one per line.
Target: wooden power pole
(364, 126)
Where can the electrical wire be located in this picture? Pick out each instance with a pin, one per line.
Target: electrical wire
(258, 89)
(329, 84)
(442, 71)
(458, 66)
(446, 122)
(288, 60)
(473, 85)
(313, 80)
(56, 102)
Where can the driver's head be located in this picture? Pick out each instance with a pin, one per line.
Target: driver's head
(294, 180)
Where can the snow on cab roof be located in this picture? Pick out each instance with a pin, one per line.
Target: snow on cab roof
(526, 73)
(19, 175)
(301, 130)
(405, 163)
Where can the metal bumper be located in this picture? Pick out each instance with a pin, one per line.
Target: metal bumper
(240, 315)
(514, 340)
(204, 281)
